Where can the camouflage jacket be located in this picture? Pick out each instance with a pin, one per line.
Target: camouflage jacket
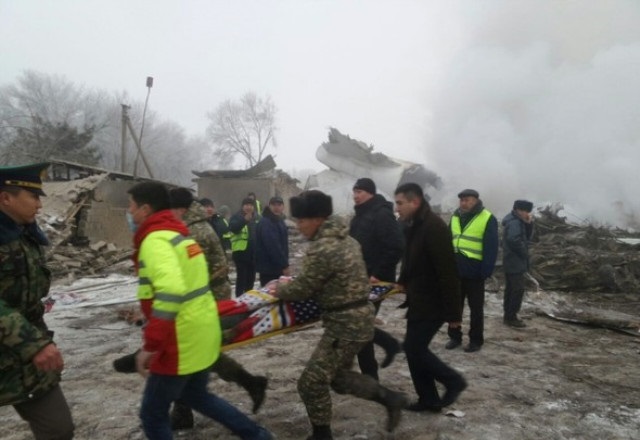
(334, 274)
(24, 281)
(196, 220)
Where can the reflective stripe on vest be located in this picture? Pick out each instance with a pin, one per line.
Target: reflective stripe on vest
(182, 296)
(468, 242)
(239, 242)
(227, 234)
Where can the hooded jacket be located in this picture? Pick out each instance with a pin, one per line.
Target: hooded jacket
(375, 227)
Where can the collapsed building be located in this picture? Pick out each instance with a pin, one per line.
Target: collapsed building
(229, 187)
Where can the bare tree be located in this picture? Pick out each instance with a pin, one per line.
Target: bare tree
(245, 128)
(41, 111)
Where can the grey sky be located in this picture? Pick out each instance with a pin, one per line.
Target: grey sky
(533, 98)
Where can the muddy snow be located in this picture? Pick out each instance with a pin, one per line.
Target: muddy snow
(551, 380)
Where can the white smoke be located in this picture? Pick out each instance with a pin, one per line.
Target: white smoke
(543, 102)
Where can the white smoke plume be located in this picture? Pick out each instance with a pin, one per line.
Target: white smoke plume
(542, 102)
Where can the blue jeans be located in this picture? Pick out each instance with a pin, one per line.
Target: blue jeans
(161, 390)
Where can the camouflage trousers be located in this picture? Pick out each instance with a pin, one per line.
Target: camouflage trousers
(330, 368)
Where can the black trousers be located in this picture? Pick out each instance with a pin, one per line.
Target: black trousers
(425, 367)
(367, 356)
(513, 294)
(245, 273)
(473, 292)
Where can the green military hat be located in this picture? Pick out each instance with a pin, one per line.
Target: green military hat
(27, 177)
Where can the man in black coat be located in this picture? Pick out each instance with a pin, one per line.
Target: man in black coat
(272, 243)
(375, 227)
(428, 277)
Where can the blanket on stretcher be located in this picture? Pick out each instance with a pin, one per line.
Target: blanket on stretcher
(256, 313)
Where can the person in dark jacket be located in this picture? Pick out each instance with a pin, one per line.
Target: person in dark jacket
(272, 243)
(516, 233)
(475, 243)
(375, 227)
(30, 362)
(243, 247)
(217, 221)
(428, 277)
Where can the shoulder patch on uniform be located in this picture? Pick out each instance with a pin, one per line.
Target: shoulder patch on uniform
(193, 250)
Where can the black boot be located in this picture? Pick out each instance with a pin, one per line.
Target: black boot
(231, 371)
(126, 364)
(256, 386)
(181, 416)
(390, 345)
(395, 402)
(321, 432)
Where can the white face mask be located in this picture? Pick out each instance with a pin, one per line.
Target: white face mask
(132, 225)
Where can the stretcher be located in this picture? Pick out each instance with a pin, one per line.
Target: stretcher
(255, 315)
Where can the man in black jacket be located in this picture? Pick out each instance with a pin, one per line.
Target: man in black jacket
(375, 227)
(272, 243)
(428, 277)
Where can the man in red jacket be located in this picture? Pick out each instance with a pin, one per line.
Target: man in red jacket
(183, 336)
(429, 279)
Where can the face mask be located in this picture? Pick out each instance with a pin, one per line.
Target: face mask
(132, 226)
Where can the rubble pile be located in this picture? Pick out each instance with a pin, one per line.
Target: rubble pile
(69, 255)
(567, 257)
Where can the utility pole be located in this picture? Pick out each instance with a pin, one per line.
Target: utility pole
(126, 124)
(123, 149)
(144, 113)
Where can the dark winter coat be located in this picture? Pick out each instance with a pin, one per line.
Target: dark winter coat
(469, 268)
(220, 225)
(516, 234)
(375, 227)
(428, 270)
(272, 244)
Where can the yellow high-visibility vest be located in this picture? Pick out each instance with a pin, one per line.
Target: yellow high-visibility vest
(468, 242)
(172, 271)
(240, 241)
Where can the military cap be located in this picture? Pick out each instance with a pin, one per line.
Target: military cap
(28, 177)
(523, 205)
(311, 204)
(468, 193)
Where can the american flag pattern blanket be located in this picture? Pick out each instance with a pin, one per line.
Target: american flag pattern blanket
(267, 313)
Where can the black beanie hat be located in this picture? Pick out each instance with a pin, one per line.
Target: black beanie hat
(311, 204)
(365, 184)
(524, 205)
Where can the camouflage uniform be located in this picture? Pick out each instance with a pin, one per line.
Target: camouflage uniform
(334, 274)
(24, 281)
(202, 232)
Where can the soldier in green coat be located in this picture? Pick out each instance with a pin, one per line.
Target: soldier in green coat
(30, 363)
(334, 274)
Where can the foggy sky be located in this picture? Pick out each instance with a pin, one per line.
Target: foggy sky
(518, 99)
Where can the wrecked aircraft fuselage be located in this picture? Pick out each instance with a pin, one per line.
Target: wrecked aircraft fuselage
(349, 159)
